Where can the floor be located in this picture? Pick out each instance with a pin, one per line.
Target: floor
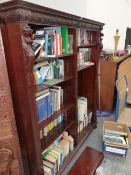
(112, 164)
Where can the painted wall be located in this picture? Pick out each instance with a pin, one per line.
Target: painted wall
(115, 14)
(77, 7)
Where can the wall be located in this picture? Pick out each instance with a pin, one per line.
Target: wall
(76, 7)
(115, 14)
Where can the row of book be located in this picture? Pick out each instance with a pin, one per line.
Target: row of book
(44, 132)
(84, 37)
(53, 157)
(49, 102)
(52, 41)
(44, 71)
(84, 117)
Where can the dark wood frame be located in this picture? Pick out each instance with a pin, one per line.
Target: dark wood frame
(15, 17)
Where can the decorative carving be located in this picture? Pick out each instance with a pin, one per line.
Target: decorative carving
(42, 15)
(28, 52)
(6, 159)
(15, 15)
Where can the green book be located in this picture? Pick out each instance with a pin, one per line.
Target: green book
(64, 33)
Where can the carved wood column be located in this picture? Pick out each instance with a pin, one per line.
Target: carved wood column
(20, 58)
(10, 154)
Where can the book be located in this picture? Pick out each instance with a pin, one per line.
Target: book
(64, 33)
(56, 29)
(65, 145)
(51, 51)
(47, 170)
(82, 108)
(37, 75)
(52, 160)
(61, 71)
(114, 139)
(84, 54)
(70, 43)
(42, 110)
(37, 44)
(46, 72)
(49, 165)
(41, 64)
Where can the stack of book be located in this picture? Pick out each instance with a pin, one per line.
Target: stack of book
(53, 157)
(115, 137)
(52, 41)
(83, 118)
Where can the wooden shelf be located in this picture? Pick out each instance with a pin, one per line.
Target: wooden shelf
(41, 87)
(55, 133)
(65, 108)
(82, 67)
(49, 58)
(86, 46)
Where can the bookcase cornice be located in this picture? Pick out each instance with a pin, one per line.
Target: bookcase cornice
(24, 11)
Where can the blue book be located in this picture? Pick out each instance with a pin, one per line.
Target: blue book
(42, 106)
(46, 44)
(49, 105)
(44, 112)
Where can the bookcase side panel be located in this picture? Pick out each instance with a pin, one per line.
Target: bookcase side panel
(9, 142)
(19, 59)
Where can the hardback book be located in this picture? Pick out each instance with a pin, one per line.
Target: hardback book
(82, 108)
(42, 108)
(49, 106)
(64, 33)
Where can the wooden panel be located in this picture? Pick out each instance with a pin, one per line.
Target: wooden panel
(107, 84)
(10, 154)
(19, 58)
(87, 163)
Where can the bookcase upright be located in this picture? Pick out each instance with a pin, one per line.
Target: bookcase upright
(18, 20)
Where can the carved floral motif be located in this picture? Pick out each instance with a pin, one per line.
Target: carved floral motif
(28, 52)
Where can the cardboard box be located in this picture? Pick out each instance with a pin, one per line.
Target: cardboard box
(115, 137)
(122, 151)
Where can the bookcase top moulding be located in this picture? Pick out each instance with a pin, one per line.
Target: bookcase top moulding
(18, 10)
